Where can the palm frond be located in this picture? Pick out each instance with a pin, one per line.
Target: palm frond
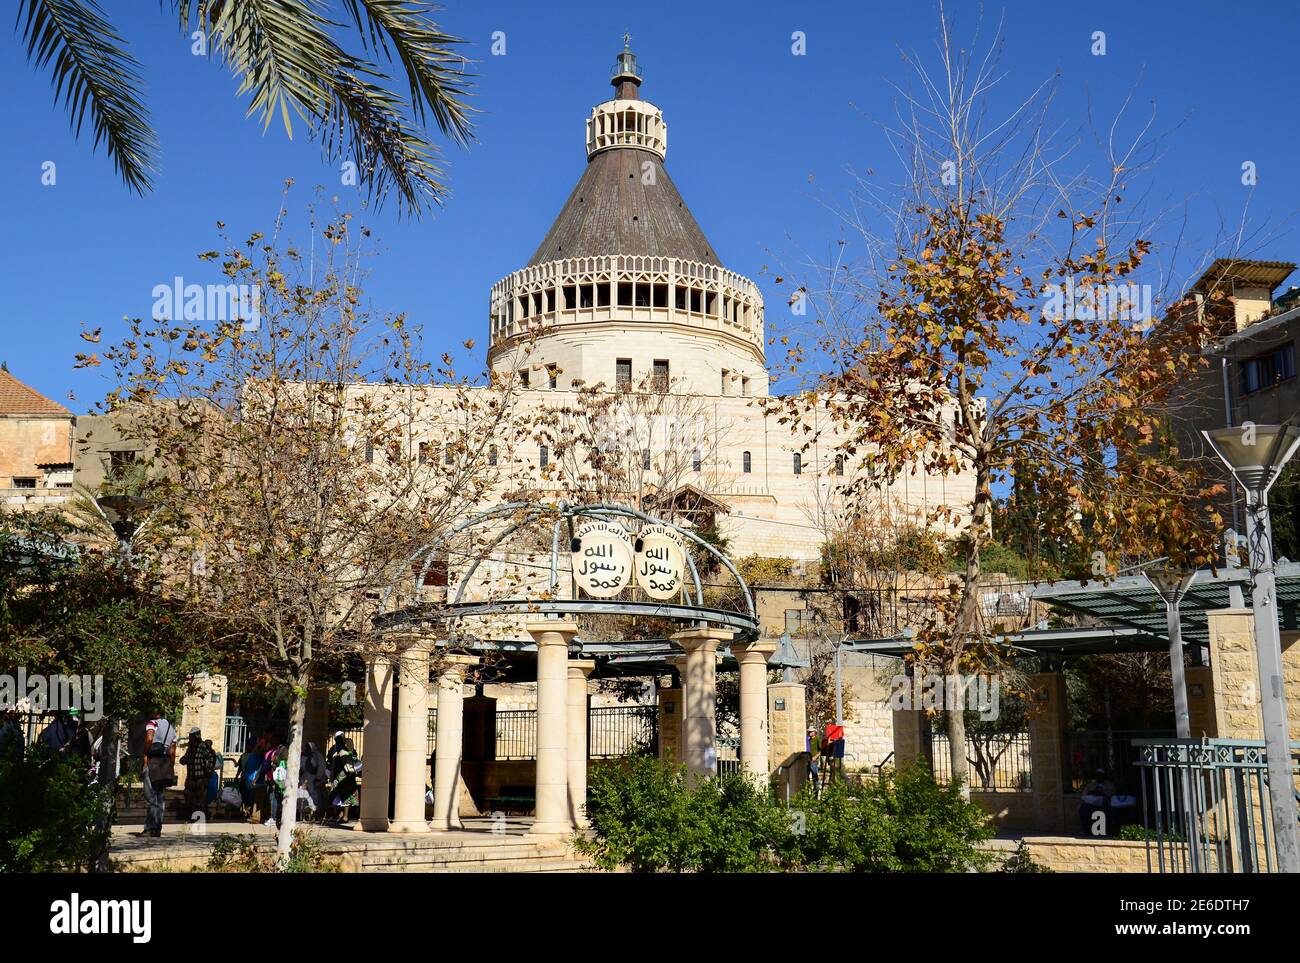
(93, 73)
(436, 73)
(283, 55)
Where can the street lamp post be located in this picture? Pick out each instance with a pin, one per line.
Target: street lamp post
(1256, 455)
(1172, 585)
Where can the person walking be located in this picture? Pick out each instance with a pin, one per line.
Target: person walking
(200, 763)
(275, 783)
(343, 780)
(158, 769)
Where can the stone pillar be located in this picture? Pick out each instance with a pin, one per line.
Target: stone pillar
(1046, 765)
(448, 739)
(578, 716)
(699, 686)
(376, 739)
(1232, 662)
(670, 725)
(205, 707)
(911, 738)
(412, 736)
(1200, 702)
(755, 756)
(787, 712)
(552, 637)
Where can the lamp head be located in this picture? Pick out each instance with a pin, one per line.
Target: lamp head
(1255, 454)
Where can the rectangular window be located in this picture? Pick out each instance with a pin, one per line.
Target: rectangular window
(550, 299)
(424, 453)
(839, 465)
(746, 463)
(645, 459)
(794, 620)
(523, 377)
(798, 463)
(1266, 370)
(119, 461)
(726, 376)
(492, 455)
(679, 299)
(661, 295)
(545, 456)
(448, 458)
(695, 300)
(625, 295)
(695, 460)
(661, 375)
(744, 386)
(24, 483)
(370, 453)
(552, 376)
(571, 297)
(602, 295)
(623, 373)
(585, 296)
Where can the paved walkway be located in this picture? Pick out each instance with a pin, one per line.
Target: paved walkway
(484, 845)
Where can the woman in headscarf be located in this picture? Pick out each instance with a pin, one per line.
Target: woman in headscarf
(344, 768)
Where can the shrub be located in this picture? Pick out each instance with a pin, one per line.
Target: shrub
(1020, 861)
(646, 817)
(231, 854)
(53, 818)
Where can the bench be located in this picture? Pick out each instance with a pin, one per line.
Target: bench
(521, 798)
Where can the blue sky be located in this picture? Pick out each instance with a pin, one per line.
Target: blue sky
(759, 144)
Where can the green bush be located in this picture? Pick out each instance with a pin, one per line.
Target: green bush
(52, 817)
(1139, 834)
(646, 817)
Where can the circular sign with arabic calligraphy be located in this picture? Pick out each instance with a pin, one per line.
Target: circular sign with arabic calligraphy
(660, 563)
(602, 559)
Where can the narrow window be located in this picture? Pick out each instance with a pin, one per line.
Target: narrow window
(726, 376)
(552, 376)
(523, 376)
(370, 452)
(425, 453)
(448, 458)
(839, 465)
(744, 386)
(623, 373)
(746, 463)
(545, 456)
(492, 455)
(695, 460)
(645, 459)
(798, 463)
(661, 375)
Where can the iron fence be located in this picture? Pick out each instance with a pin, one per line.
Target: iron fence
(996, 761)
(1205, 805)
(622, 730)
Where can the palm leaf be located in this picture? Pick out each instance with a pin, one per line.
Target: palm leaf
(93, 73)
(435, 71)
(283, 55)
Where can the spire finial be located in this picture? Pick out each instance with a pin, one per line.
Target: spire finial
(627, 75)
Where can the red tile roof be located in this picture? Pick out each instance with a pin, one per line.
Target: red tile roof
(18, 399)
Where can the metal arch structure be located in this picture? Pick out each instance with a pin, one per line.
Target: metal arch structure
(518, 516)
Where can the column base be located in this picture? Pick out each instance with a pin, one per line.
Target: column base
(551, 829)
(409, 826)
(444, 825)
(370, 826)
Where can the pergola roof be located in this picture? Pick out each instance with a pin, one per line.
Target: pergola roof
(1131, 601)
(1130, 616)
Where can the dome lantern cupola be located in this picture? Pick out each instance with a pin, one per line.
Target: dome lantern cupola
(626, 76)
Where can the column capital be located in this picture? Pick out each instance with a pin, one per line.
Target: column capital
(410, 638)
(699, 635)
(758, 651)
(560, 630)
(456, 664)
(581, 668)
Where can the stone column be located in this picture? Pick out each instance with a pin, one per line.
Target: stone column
(699, 687)
(412, 736)
(376, 739)
(1236, 681)
(1047, 767)
(448, 739)
(552, 637)
(1200, 702)
(579, 670)
(316, 719)
(754, 753)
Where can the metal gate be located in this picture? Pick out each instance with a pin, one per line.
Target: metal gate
(1205, 805)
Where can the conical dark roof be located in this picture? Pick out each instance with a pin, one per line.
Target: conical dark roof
(613, 210)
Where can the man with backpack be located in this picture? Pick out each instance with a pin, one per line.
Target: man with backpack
(158, 770)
